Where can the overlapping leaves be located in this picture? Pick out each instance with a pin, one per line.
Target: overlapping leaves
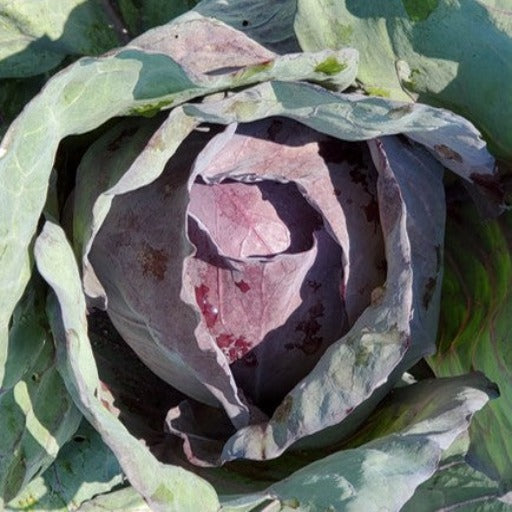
(421, 49)
(142, 79)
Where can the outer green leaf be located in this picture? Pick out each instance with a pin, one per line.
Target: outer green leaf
(384, 473)
(447, 53)
(36, 35)
(475, 326)
(87, 94)
(164, 487)
(457, 486)
(209, 49)
(453, 140)
(38, 416)
(84, 468)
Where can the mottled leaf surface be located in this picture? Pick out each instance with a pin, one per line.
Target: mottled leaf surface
(423, 49)
(420, 179)
(355, 117)
(223, 57)
(475, 326)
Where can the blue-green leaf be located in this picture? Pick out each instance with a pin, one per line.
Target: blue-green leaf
(383, 473)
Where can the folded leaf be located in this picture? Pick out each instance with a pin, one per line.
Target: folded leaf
(164, 487)
(384, 472)
(452, 140)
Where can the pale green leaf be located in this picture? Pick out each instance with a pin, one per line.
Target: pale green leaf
(457, 55)
(84, 468)
(36, 35)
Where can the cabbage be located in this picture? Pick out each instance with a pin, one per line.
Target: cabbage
(267, 246)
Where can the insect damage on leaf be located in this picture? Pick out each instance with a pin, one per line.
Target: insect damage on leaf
(448, 153)
(330, 66)
(283, 411)
(419, 10)
(153, 261)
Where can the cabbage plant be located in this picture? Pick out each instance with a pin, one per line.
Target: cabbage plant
(267, 245)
